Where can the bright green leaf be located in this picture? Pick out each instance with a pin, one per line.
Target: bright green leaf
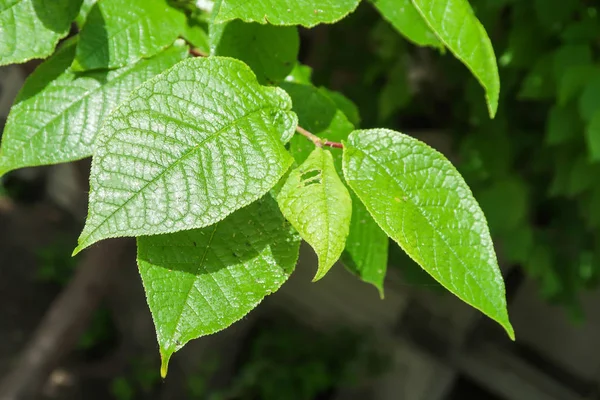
(300, 74)
(31, 28)
(201, 281)
(271, 51)
(366, 250)
(421, 201)
(58, 113)
(187, 149)
(118, 33)
(292, 12)
(318, 205)
(403, 15)
(455, 24)
(592, 136)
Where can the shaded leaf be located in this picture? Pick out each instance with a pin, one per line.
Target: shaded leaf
(31, 28)
(118, 33)
(562, 125)
(318, 114)
(187, 148)
(201, 281)
(318, 205)
(271, 51)
(366, 251)
(592, 136)
(419, 199)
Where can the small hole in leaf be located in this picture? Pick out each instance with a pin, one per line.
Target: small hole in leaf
(312, 177)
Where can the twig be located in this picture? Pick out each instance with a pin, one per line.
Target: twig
(317, 140)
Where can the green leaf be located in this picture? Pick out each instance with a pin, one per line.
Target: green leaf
(403, 15)
(118, 33)
(271, 51)
(570, 56)
(32, 28)
(318, 114)
(318, 205)
(592, 136)
(455, 24)
(300, 74)
(187, 149)
(292, 12)
(419, 199)
(58, 113)
(589, 101)
(573, 80)
(201, 281)
(344, 104)
(366, 250)
(85, 9)
(195, 32)
(505, 203)
(562, 125)
(539, 82)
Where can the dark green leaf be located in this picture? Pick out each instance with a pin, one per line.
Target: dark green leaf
(201, 281)
(271, 51)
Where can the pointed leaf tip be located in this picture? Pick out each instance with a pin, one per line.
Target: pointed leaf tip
(421, 201)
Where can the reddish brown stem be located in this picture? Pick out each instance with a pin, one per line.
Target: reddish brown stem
(317, 140)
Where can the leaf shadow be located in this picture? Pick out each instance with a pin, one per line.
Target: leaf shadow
(57, 15)
(240, 238)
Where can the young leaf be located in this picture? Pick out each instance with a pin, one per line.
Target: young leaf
(403, 16)
(366, 250)
(187, 149)
(292, 12)
(201, 281)
(455, 24)
(31, 28)
(118, 33)
(318, 205)
(270, 51)
(58, 113)
(421, 201)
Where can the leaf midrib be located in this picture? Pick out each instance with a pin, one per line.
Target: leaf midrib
(434, 229)
(168, 168)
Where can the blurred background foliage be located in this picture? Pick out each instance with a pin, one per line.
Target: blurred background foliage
(533, 168)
